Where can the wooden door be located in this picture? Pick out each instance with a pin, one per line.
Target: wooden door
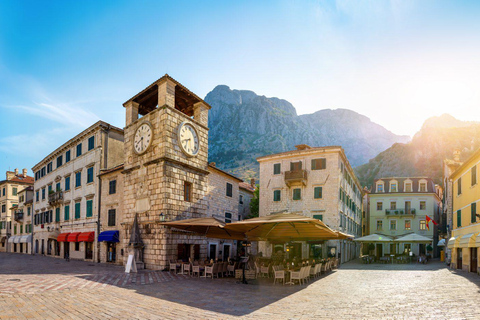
(473, 259)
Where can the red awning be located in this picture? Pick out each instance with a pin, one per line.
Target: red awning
(62, 237)
(72, 237)
(86, 237)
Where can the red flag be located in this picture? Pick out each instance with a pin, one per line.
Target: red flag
(433, 221)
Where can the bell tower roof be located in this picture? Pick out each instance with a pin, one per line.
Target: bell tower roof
(149, 98)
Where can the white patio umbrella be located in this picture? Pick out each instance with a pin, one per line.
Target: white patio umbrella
(413, 237)
(374, 238)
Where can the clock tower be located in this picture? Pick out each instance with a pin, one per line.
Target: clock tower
(165, 169)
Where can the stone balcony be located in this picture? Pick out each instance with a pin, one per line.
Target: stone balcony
(55, 197)
(296, 176)
(400, 212)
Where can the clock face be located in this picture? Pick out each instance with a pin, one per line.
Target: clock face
(188, 139)
(143, 138)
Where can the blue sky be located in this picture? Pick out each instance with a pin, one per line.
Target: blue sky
(66, 64)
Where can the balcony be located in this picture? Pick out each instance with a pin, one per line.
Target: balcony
(18, 215)
(55, 197)
(400, 212)
(295, 176)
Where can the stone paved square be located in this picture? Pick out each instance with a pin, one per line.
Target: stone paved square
(37, 287)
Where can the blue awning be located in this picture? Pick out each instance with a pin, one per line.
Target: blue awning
(110, 236)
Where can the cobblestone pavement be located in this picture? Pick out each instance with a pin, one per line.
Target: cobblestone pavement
(39, 287)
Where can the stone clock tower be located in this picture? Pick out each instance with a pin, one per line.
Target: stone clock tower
(165, 171)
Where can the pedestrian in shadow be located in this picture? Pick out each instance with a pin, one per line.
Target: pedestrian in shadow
(67, 257)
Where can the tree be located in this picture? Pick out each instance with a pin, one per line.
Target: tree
(254, 203)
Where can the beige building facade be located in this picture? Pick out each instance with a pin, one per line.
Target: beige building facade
(111, 216)
(22, 222)
(66, 198)
(399, 207)
(316, 182)
(14, 183)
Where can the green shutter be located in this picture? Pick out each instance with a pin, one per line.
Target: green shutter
(297, 194)
(57, 215)
(318, 216)
(317, 192)
(474, 212)
(459, 218)
(67, 213)
(276, 195)
(89, 208)
(77, 210)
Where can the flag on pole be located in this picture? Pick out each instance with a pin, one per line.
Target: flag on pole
(433, 221)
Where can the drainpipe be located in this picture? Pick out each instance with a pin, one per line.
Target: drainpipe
(98, 215)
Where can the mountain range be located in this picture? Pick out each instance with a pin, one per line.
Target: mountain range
(244, 126)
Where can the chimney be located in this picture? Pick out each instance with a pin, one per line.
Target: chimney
(16, 171)
(213, 164)
(252, 182)
(456, 155)
(24, 172)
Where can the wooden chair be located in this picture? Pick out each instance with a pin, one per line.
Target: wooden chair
(319, 270)
(264, 271)
(173, 266)
(196, 270)
(279, 274)
(297, 275)
(187, 268)
(313, 271)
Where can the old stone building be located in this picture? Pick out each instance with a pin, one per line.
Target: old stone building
(67, 190)
(22, 222)
(165, 169)
(111, 216)
(316, 182)
(9, 189)
(246, 194)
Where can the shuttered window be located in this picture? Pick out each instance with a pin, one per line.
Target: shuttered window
(297, 194)
(319, 164)
(111, 217)
(66, 216)
(77, 210)
(89, 208)
(276, 168)
(276, 195)
(317, 193)
(474, 175)
(459, 218)
(296, 166)
(473, 208)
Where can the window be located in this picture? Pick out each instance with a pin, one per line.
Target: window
(423, 205)
(473, 209)
(408, 225)
(228, 217)
(15, 230)
(393, 224)
(59, 161)
(42, 171)
(37, 195)
(21, 229)
(393, 205)
(423, 187)
(78, 179)
(277, 168)
(459, 186)
(240, 200)
(90, 175)
(319, 164)
(3, 192)
(28, 211)
(393, 187)
(77, 246)
(229, 190)
(379, 187)
(66, 213)
(111, 217)
(408, 187)
(43, 194)
(57, 215)
(91, 143)
(474, 175)
(296, 166)
(423, 225)
(277, 195)
(79, 150)
(297, 194)
(77, 210)
(318, 216)
(408, 207)
(89, 208)
(379, 224)
(317, 193)
(112, 187)
(49, 167)
(3, 208)
(14, 191)
(239, 217)
(67, 156)
(379, 205)
(459, 218)
(187, 191)
(67, 183)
